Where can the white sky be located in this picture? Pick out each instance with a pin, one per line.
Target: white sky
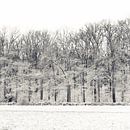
(58, 14)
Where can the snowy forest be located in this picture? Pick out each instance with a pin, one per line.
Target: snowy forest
(91, 65)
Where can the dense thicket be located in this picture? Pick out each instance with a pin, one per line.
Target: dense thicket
(90, 65)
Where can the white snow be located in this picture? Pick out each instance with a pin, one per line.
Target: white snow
(64, 117)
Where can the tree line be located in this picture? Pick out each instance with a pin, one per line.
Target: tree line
(100, 51)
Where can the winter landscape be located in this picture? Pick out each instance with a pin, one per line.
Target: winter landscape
(90, 66)
(64, 65)
(66, 80)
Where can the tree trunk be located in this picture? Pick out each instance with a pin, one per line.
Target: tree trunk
(83, 95)
(29, 95)
(55, 95)
(41, 90)
(98, 87)
(68, 93)
(29, 91)
(74, 78)
(86, 62)
(83, 87)
(95, 97)
(16, 90)
(113, 82)
(4, 92)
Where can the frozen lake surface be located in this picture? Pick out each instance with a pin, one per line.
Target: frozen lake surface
(64, 117)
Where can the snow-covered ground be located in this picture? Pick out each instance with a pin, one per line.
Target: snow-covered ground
(64, 117)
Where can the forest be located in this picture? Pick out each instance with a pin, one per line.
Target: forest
(90, 65)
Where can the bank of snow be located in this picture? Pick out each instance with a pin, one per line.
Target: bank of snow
(64, 117)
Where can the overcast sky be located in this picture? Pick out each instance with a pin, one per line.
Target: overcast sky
(58, 14)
